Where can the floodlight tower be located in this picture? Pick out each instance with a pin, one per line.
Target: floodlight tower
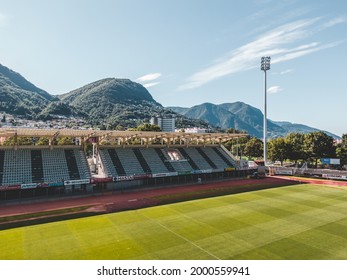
(265, 65)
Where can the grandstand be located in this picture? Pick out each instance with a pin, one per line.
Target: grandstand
(153, 160)
(121, 159)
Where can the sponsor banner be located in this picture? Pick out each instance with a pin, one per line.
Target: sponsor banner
(42, 185)
(76, 182)
(333, 176)
(101, 180)
(207, 171)
(56, 184)
(216, 170)
(335, 161)
(123, 178)
(229, 169)
(184, 172)
(283, 172)
(28, 186)
(9, 188)
(142, 176)
(168, 174)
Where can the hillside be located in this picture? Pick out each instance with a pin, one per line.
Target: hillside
(115, 102)
(121, 103)
(301, 128)
(20, 97)
(242, 116)
(107, 103)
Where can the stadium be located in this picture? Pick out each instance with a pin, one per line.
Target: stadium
(156, 195)
(120, 160)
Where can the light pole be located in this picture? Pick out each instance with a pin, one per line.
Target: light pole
(265, 65)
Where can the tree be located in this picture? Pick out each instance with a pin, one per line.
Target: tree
(237, 145)
(295, 146)
(319, 145)
(233, 130)
(42, 141)
(278, 149)
(65, 141)
(341, 150)
(254, 148)
(148, 127)
(18, 140)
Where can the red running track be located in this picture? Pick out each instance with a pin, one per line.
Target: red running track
(135, 199)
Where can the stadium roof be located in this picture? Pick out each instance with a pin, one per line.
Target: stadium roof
(116, 134)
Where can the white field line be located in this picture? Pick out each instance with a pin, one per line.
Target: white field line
(182, 237)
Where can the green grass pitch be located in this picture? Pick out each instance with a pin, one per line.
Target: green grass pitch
(292, 222)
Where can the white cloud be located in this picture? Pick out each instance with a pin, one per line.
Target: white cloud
(268, 44)
(274, 89)
(148, 77)
(151, 84)
(334, 21)
(284, 72)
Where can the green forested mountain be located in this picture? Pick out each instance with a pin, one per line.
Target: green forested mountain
(107, 103)
(242, 116)
(20, 97)
(114, 103)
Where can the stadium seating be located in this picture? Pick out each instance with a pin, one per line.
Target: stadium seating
(17, 167)
(44, 165)
(153, 160)
(201, 163)
(155, 163)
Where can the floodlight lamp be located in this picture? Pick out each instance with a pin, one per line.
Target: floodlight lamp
(265, 63)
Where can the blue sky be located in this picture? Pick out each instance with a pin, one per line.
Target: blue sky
(187, 52)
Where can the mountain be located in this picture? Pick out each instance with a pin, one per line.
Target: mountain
(231, 115)
(107, 103)
(301, 128)
(111, 103)
(20, 97)
(114, 100)
(242, 116)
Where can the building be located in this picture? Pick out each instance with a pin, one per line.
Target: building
(165, 124)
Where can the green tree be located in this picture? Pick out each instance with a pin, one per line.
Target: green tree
(19, 140)
(319, 145)
(278, 149)
(237, 145)
(233, 130)
(296, 146)
(341, 150)
(65, 141)
(119, 127)
(254, 148)
(42, 141)
(148, 127)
